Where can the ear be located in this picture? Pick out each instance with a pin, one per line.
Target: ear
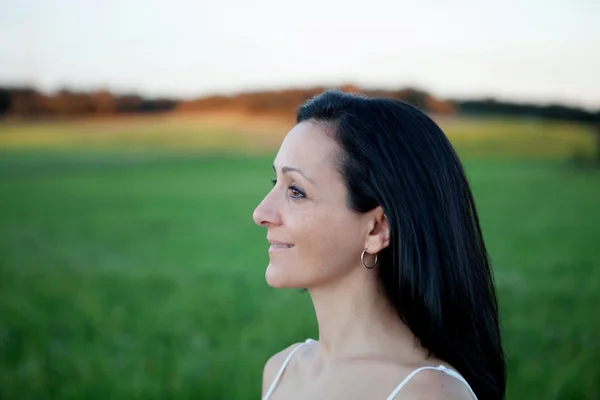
(378, 237)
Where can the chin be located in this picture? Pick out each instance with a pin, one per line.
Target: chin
(279, 278)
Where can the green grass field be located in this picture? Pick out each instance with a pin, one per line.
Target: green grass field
(140, 274)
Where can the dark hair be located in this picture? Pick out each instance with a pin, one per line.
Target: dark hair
(436, 271)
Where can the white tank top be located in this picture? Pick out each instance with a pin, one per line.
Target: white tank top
(392, 395)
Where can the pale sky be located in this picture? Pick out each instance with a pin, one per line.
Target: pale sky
(528, 50)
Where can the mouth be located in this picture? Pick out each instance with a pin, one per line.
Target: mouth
(279, 246)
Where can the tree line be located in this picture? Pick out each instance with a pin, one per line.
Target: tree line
(26, 102)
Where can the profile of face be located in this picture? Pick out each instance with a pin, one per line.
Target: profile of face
(315, 237)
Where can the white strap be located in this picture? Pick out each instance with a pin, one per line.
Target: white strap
(439, 368)
(285, 363)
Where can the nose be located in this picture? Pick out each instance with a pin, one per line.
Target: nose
(266, 213)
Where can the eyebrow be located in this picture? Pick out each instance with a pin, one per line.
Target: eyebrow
(286, 169)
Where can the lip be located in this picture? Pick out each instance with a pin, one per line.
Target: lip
(277, 246)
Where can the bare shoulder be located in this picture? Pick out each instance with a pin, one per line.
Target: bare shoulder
(431, 384)
(273, 365)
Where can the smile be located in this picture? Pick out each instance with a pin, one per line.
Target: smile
(280, 247)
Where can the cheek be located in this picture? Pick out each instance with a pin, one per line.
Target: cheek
(328, 242)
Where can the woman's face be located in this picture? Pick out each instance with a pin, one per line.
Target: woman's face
(315, 238)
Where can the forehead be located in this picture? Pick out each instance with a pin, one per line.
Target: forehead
(308, 146)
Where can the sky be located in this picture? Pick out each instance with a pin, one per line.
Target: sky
(529, 50)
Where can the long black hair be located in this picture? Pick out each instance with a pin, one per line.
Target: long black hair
(436, 270)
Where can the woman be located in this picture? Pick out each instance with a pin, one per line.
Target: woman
(371, 212)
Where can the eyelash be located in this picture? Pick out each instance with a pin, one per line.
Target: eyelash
(294, 188)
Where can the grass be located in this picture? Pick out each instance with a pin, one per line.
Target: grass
(170, 132)
(141, 275)
(234, 131)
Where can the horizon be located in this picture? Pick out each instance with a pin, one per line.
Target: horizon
(186, 51)
(233, 94)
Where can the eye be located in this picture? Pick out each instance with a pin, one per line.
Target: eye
(274, 181)
(295, 192)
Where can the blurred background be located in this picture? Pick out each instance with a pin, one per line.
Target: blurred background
(136, 139)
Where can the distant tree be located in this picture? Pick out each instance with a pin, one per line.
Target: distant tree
(25, 102)
(417, 98)
(103, 102)
(4, 100)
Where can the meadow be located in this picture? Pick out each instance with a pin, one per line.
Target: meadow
(131, 268)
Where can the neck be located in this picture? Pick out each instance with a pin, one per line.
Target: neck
(356, 320)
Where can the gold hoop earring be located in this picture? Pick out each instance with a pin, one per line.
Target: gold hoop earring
(362, 260)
